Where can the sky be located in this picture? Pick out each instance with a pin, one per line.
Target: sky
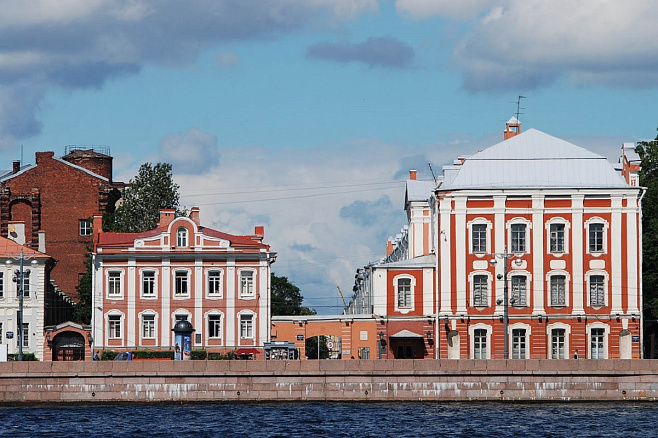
(305, 116)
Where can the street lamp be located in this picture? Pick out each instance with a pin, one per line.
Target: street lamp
(505, 256)
(20, 275)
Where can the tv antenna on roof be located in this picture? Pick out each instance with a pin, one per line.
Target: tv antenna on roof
(518, 106)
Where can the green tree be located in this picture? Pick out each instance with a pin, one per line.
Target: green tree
(287, 298)
(82, 309)
(152, 190)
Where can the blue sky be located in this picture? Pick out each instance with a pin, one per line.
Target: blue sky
(306, 115)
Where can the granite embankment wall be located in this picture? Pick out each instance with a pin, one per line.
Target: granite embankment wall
(338, 380)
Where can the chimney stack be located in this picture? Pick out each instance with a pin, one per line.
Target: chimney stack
(194, 216)
(412, 175)
(17, 167)
(512, 128)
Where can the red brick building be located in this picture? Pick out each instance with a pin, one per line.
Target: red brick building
(57, 197)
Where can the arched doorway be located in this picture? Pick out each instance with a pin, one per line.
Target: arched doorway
(68, 346)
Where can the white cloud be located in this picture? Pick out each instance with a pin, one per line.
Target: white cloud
(227, 60)
(193, 152)
(530, 44)
(420, 9)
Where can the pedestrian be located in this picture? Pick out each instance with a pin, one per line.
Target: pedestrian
(575, 354)
(96, 356)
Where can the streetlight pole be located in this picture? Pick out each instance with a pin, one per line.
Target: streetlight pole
(505, 256)
(20, 275)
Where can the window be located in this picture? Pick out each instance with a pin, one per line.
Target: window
(596, 237)
(114, 329)
(2, 288)
(596, 290)
(480, 290)
(597, 337)
(479, 344)
(479, 238)
(404, 293)
(518, 238)
(26, 334)
(181, 283)
(148, 326)
(114, 283)
(148, 283)
(180, 317)
(1, 338)
(557, 238)
(181, 237)
(557, 344)
(214, 326)
(519, 291)
(215, 283)
(557, 291)
(518, 344)
(246, 283)
(85, 227)
(247, 326)
(364, 353)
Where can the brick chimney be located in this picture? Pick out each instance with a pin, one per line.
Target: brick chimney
(512, 128)
(41, 156)
(194, 216)
(412, 175)
(17, 167)
(259, 233)
(167, 216)
(389, 247)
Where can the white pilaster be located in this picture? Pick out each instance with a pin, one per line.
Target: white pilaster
(632, 241)
(166, 335)
(230, 303)
(616, 254)
(577, 274)
(499, 241)
(131, 302)
(461, 242)
(538, 233)
(443, 258)
(199, 323)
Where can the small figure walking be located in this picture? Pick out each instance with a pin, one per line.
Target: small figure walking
(575, 354)
(96, 356)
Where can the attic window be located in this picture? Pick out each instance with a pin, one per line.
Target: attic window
(181, 237)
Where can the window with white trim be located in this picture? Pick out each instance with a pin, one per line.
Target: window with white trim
(247, 283)
(480, 344)
(596, 237)
(518, 238)
(84, 227)
(404, 293)
(1, 333)
(181, 237)
(479, 238)
(247, 326)
(556, 238)
(519, 294)
(214, 326)
(597, 343)
(114, 283)
(180, 317)
(26, 334)
(596, 290)
(181, 283)
(148, 326)
(480, 290)
(558, 343)
(215, 283)
(519, 344)
(2, 287)
(148, 284)
(558, 290)
(114, 326)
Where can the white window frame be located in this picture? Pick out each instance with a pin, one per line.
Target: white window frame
(567, 281)
(182, 239)
(108, 275)
(247, 296)
(26, 335)
(142, 320)
(479, 221)
(471, 282)
(2, 288)
(526, 238)
(567, 337)
(220, 293)
(412, 295)
(471, 336)
(242, 326)
(84, 227)
(588, 279)
(596, 221)
(111, 334)
(526, 340)
(215, 313)
(567, 227)
(142, 293)
(510, 286)
(606, 338)
(174, 282)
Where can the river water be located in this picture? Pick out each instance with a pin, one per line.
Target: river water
(378, 420)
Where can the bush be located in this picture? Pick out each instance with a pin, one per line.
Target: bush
(27, 357)
(219, 356)
(199, 355)
(153, 354)
(108, 355)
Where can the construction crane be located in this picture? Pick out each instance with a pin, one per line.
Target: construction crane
(341, 295)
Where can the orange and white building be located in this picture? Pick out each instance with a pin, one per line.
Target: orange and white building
(552, 226)
(143, 283)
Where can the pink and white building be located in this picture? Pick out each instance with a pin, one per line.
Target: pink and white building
(143, 283)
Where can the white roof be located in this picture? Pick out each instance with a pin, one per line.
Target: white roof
(419, 190)
(534, 159)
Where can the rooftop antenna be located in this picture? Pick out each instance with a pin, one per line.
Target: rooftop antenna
(518, 106)
(21, 155)
(431, 170)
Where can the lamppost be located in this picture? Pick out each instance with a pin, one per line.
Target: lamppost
(505, 256)
(20, 275)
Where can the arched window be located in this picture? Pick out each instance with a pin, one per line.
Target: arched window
(181, 237)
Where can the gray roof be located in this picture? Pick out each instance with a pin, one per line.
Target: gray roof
(534, 159)
(426, 261)
(419, 190)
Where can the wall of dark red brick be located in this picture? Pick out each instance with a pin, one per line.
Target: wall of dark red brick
(67, 195)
